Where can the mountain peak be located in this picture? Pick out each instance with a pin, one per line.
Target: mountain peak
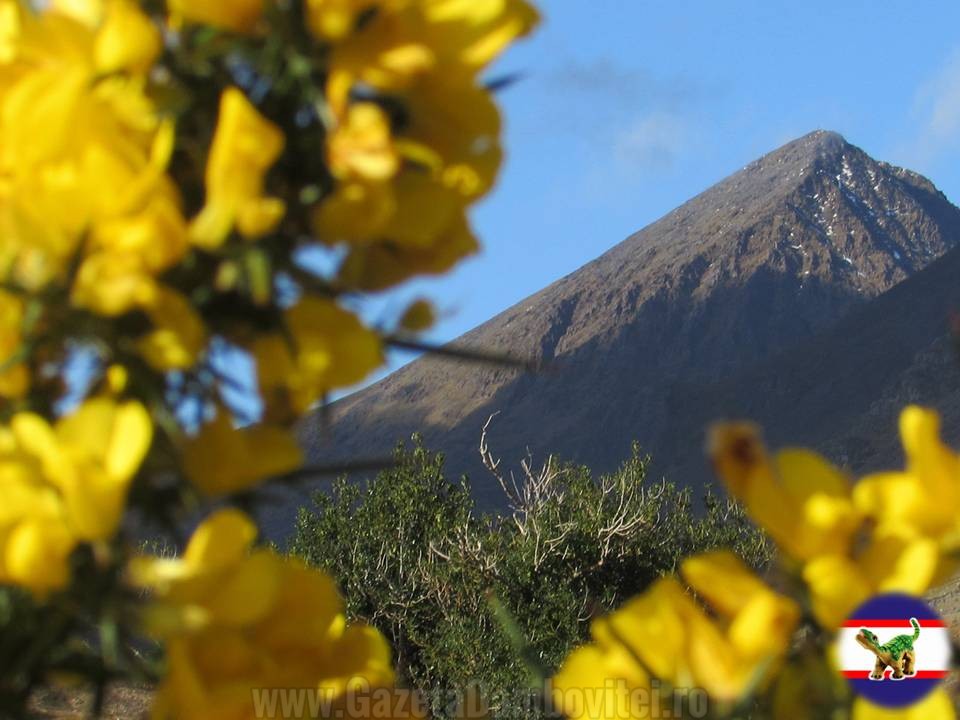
(760, 263)
(782, 169)
(822, 141)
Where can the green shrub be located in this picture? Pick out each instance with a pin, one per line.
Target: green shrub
(445, 583)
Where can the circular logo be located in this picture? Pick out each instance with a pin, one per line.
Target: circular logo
(894, 650)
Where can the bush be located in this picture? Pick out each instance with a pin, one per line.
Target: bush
(455, 590)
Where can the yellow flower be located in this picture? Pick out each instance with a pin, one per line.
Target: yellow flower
(666, 632)
(240, 16)
(887, 563)
(362, 146)
(599, 682)
(460, 126)
(219, 580)
(112, 283)
(179, 335)
(377, 267)
(811, 511)
(797, 497)
(237, 619)
(34, 541)
(127, 39)
(156, 232)
(65, 484)
(244, 147)
(419, 316)
(14, 375)
(330, 349)
(82, 145)
(36, 555)
(761, 620)
(401, 202)
(477, 31)
(126, 253)
(11, 22)
(938, 705)
(415, 211)
(335, 19)
(925, 497)
(454, 39)
(91, 457)
(358, 212)
(223, 459)
(451, 144)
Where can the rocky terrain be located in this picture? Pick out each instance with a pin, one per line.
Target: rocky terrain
(806, 291)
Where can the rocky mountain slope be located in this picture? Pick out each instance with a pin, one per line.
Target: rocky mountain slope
(778, 294)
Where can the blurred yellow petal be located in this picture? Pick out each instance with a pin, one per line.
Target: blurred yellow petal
(328, 348)
(118, 435)
(836, 587)
(356, 212)
(260, 216)
(14, 376)
(308, 607)
(248, 593)
(223, 459)
(112, 284)
(653, 626)
(764, 626)
(238, 15)
(179, 335)
(106, 443)
(901, 564)
(738, 455)
(480, 30)
(36, 555)
(244, 148)
(382, 266)
(592, 685)
(222, 539)
(723, 580)
(89, 12)
(35, 435)
(804, 473)
(362, 146)
(419, 316)
(127, 40)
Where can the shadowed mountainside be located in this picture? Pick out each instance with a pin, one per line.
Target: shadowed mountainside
(765, 296)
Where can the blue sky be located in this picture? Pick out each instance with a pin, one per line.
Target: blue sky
(628, 108)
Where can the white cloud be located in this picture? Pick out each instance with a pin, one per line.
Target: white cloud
(627, 122)
(937, 105)
(654, 141)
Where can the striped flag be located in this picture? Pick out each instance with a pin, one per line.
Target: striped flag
(886, 617)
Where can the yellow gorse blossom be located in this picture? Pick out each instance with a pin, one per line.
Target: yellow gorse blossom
(235, 15)
(245, 146)
(83, 142)
(797, 497)
(819, 519)
(455, 39)
(162, 170)
(237, 618)
(64, 484)
(324, 347)
(666, 633)
(14, 376)
(925, 497)
(403, 193)
(223, 459)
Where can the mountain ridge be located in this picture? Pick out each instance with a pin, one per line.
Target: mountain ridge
(763, 261)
